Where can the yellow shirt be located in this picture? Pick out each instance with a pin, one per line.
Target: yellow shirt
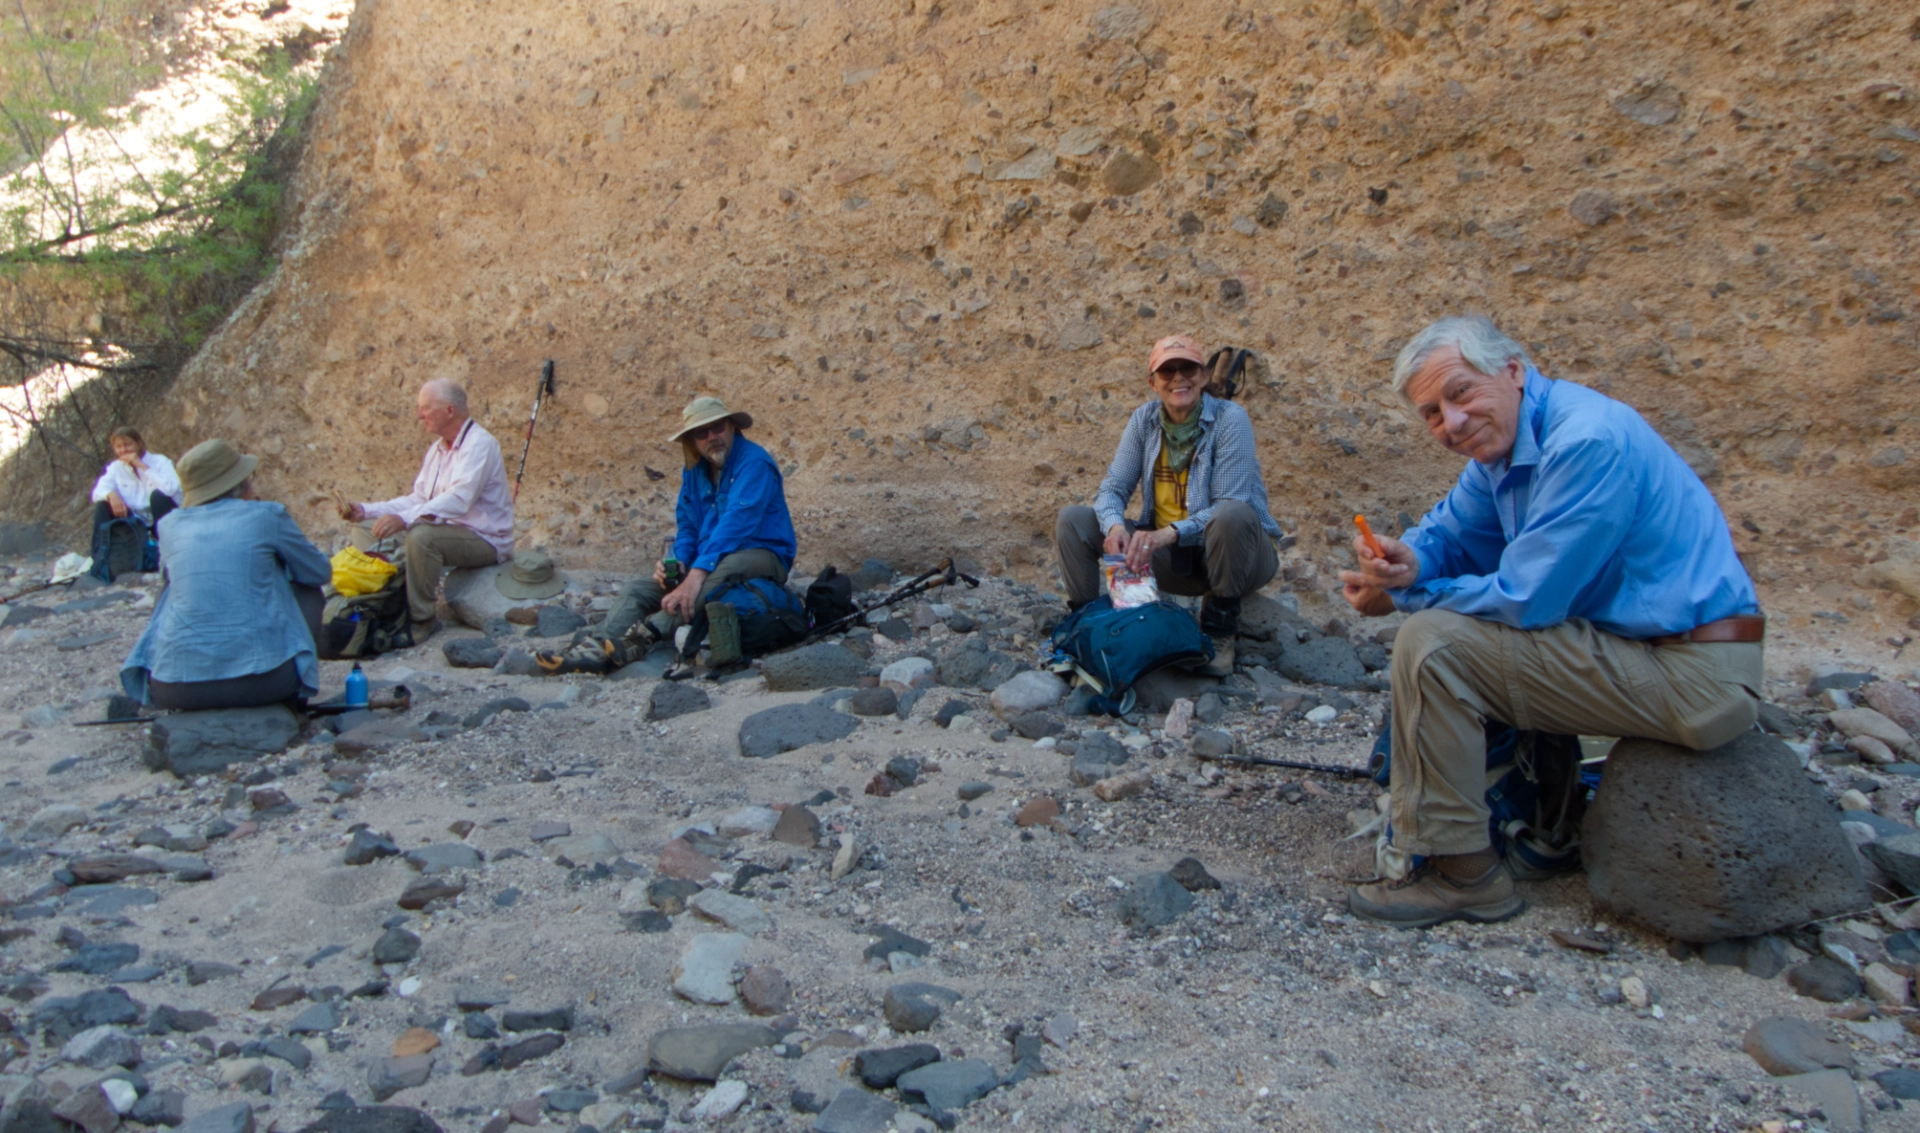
(1169, 491)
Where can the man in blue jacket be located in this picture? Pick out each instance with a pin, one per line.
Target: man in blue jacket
(733, 525)
(1579, 578)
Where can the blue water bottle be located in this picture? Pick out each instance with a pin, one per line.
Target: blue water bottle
(356, 687)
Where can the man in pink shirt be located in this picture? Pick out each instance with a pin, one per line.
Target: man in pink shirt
(460, 512)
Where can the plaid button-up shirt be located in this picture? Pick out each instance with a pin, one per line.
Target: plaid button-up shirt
(1224, 467)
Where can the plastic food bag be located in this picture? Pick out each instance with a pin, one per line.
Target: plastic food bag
(1128, 588)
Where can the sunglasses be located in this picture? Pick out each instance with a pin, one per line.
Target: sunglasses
(1181, 368)
(709, 430)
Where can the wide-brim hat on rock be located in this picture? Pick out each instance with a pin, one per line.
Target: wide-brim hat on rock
(705, 411)
(531, 575)
(210, 470)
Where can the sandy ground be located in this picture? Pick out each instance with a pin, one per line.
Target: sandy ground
(1263, 1006)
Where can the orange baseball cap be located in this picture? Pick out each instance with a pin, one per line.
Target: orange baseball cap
(1175, 346)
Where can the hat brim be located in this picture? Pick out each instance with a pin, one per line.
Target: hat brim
(514, 588)
(1177, 356)
(222, 484)
(740, 420)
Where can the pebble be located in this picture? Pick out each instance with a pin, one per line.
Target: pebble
(879, 1069)
(1211, 742)
(765, 990)
(1037, 812)
(552, 1019)
(721, 1101)
(846, 857)
(546, 831)
(914, 1007)
(948, 1086)
(530, 1049)
(388, 1076)
(680, 860)
(236, 1117)
(1634, 990)
(1323, 715)
(1886, 986)
(748, 821)
(854, 1110)
(1152, 900)
(700, 1052)
(704, 971)
(414, 1040)
(395, 946)
(1825, 979)
(737, 913)
(1030, 691)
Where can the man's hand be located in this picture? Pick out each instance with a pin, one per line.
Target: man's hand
(660, 575)
(116, 505)
(1116, 543)
(1366, 589)
(1143, 544)
(349, 511)
(132, 460)
(386, 525)
(685, 597)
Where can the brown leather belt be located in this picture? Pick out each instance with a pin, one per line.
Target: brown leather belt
(1740, 627)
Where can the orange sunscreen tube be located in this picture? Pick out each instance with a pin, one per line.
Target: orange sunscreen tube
(1366, 533)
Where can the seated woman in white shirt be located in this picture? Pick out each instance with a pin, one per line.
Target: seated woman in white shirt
(136, 484)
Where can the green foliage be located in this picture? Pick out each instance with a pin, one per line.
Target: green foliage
(158, 233)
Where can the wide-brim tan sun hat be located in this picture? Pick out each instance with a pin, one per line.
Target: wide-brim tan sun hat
(531, 575)
(705, 411)
(210, 470)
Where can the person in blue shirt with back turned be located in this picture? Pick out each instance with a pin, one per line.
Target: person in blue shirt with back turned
(1579, 578)
(732, 525)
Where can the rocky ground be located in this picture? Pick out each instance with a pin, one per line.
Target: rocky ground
(566, 883)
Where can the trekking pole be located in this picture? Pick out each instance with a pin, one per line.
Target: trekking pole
(544, 388)
(1291, 764)
(945, 574)
(35, 589)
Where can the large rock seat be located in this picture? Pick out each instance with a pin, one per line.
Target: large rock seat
(1709, 845)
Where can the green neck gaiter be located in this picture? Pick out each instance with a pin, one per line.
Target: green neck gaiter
(1181, 437)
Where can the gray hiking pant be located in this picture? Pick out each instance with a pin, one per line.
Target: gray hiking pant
(1236, 559)
(641, 597)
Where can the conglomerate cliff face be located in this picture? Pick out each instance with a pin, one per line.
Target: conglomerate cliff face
(928, 244)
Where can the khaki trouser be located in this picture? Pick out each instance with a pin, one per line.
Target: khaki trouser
(431, 549)
(1451, 673)
(1236, 559)
(641, 597)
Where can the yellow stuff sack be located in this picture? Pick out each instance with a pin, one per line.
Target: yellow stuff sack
(356, 572)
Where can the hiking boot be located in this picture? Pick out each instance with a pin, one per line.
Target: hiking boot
(1436, 891)
(588, 655)
(723, 636)
(1220, 621)
(682, 670)
(426, 629)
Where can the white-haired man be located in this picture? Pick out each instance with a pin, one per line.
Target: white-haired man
(1579, 578)
(460, 511)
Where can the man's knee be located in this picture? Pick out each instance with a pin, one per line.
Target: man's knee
(419, 542)
(1073, 524)
(1421, 636)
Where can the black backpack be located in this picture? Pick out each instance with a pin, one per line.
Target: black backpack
(830, 598)
(354, 626)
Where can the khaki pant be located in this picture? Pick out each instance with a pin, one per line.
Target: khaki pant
(1236, 559)
(641, 597)
(432, 548)
(1451, 673)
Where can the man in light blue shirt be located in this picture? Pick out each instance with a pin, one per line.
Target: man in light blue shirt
(1579, 578)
